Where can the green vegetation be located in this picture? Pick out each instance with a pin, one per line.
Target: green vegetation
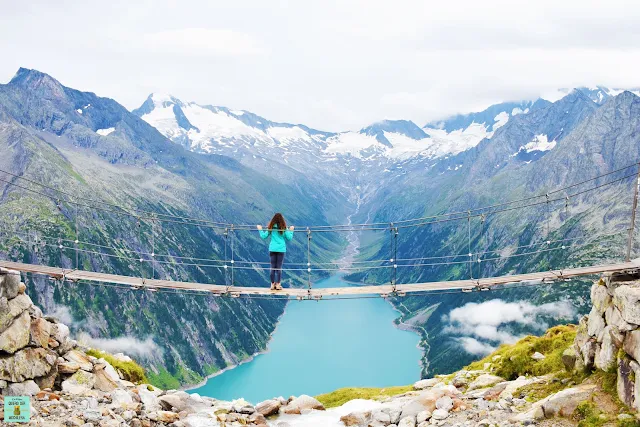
(588, 415)
(515, 360)
(130, 371)
(344, 395)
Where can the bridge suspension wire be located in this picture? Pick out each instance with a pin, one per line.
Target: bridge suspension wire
(171, 218)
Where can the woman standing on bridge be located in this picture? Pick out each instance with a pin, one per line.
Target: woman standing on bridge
(279, 233)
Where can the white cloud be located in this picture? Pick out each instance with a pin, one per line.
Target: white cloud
(333, 65)
(128, 345)
(490, 321)
(475, 347)
(62, 313)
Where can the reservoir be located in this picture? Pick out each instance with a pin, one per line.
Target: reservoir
(321, 346)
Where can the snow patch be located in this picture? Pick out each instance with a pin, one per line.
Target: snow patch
(105, 132)
(539, 143)
(79, 111)
(237, 112)
(500, 120)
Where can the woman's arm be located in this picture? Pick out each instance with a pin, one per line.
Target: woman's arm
(263, 233)
(289, 233)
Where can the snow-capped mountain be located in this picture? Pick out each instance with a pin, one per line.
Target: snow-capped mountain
(598, 94)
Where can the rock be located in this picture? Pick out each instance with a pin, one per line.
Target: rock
(625, 383)
(49, 380)
(605, 359)
(627, 299)
(631, 344)
(80, 358)
(617, 337)
(354, 419)
(40, 331)
(485, 380)
(423, 416)
(569, 359)
(59, 332)
(47, 396)
(268, 407)
(79, 383)
(423, 384)
(109, 370)
(538, 356)
(26, 364)
(195, 420)
(68, 367)
(26, 388)
(297, 405)
(10, 309)
(380, 417)
(16, 336)
(564, 402)
(596, 324)
(163, 416)
(91, 414)
(104, 382)
(494, 392)
(600, 297)
(445, 403)
(460, 381)
(149, 399)
(407, 422)
(588, 351)
(439, 414)
(613, 317)
(9, 284)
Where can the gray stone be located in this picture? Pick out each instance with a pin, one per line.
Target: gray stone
(27, 364)
(588, 352)
(631, 344)
(625, 384)
(17, 335)
(268, 407)
(617, 337)
(538, 356)
(564, 402)
(422, 384)
(79, 383)
(59, 332)
(40, 332)
(297, 405)
(423, 416)
(600, 297)
(614, 318)
(485, 380)
(596, 324)
(9, 310)
(407, 422)
(605, 359)
(440, 414)
(149, 399)
(569, 358)
(627, 299)
(635, 367)
(445, 402)
(80, 358)
(9, 284)
(26, 388)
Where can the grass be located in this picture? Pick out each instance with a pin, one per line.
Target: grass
(515, 360)
(344, 395)
(588, 415)
(130, 371)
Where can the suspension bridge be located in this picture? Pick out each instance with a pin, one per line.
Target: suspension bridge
(229, 263)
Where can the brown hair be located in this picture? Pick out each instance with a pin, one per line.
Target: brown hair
(278, 220)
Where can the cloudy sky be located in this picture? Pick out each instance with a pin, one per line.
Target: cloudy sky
(333, 65)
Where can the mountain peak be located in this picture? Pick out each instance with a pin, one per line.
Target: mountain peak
(404, 127)
(37, 81)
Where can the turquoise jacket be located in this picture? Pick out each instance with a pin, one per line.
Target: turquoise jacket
(278, 240)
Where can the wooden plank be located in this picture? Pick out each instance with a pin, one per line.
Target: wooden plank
(154, 284)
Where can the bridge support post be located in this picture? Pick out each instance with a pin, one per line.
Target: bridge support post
(632, 226)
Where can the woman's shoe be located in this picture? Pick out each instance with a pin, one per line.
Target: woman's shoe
(273, 286)
(278, 286)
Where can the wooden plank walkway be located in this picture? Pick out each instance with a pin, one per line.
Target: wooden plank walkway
(318, 293)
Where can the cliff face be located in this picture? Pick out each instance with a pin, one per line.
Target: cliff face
(608, 339)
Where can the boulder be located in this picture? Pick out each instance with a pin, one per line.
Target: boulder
(423, 384)
(173, 401)
(627, 299)
(538, 356)
(9, 284)
(564, 402)
(16, 336)
(625, 383)
(613, 317)
(407, 422)
(149, 399)
(80, 358)
(595, 325)
(163, 416)
(26, 388)
(485, 380)
(631, 344)
(40, 332)
(445, 403)
(268, 407)
(440, 414)
(605, 359)
(49, 380)
(588, 353)
(104, 382)
(569, 358)
(423, 416)
(27, 364)
(109, 370)
(59, 332)
(122, 399)
(79, 383)
(68, 367)
(10, 309)
(303, 402)
(600, 297)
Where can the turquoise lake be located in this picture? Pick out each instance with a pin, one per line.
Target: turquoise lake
(321, 346)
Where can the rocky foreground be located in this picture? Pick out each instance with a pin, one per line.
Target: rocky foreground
(547, 381)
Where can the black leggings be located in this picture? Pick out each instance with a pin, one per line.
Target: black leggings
(277, 258)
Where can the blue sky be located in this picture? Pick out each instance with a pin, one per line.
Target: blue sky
(333, 65)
